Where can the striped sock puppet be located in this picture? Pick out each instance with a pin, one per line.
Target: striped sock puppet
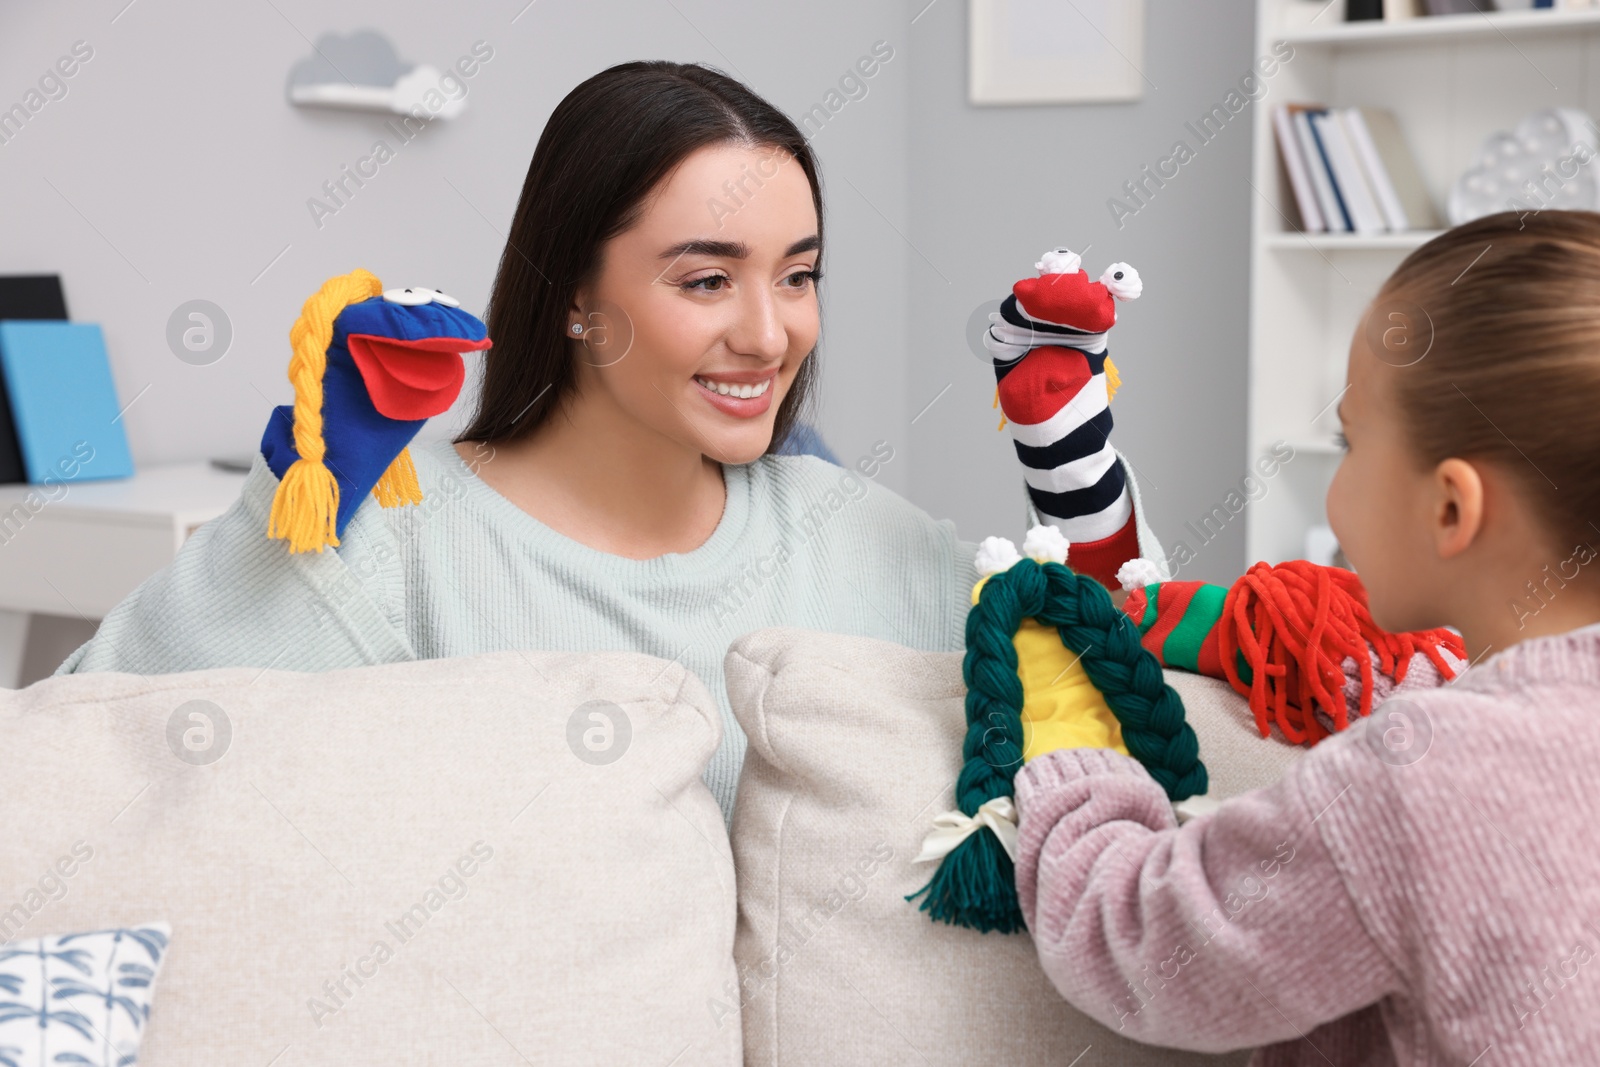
(1048, 343)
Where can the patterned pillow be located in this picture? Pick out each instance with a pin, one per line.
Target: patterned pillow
(79, 998)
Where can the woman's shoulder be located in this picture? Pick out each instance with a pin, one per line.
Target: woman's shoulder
(848, 503)
(447, 478)
(805, 484)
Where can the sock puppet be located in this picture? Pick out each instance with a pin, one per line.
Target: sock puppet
(1296, 639)
(369, 367)
(1050, 664)
(1055, 383)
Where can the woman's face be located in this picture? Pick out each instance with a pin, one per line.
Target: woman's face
(713, 285)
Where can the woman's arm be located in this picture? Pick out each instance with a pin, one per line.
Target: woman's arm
(1233, 931)
(234, 597)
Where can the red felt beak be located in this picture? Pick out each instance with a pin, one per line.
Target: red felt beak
(409, 380)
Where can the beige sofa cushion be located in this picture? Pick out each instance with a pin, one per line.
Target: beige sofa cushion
(855, 745)
(534, 906)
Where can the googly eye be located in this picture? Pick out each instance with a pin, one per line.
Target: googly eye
(1059, 261)
(1123, 281)
(409, 297)
(446, 299)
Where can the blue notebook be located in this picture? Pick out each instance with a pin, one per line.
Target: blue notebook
(63, 401)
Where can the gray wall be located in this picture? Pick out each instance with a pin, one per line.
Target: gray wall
(993, 187)
(173, 170)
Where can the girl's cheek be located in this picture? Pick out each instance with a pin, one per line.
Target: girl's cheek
(1335, 500)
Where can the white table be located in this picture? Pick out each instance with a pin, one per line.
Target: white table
(79, 548)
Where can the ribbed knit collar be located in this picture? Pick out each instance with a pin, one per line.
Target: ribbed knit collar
(1570, 658)
(558, 547)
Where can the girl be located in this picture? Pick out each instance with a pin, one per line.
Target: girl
(1423, 887)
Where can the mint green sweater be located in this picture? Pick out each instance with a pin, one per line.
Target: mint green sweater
(801, 543)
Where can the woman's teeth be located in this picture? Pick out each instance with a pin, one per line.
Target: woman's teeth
(743, 391)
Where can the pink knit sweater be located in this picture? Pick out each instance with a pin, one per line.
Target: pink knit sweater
(1420, 888)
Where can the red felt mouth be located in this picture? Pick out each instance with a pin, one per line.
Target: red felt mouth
(409, 380)
(1068, 300)
(1047, 380)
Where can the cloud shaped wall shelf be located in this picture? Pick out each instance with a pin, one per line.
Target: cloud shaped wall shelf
(362, 71)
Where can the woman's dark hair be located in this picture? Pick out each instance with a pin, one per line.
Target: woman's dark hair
(603, 150)
(1508, 308)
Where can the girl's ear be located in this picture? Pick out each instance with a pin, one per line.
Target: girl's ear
(1458, 507)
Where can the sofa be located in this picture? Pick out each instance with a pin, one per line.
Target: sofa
(511, 858)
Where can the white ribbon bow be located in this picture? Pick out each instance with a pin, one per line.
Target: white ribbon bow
(952, 828)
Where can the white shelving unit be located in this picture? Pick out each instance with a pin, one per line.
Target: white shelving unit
(1451, 80)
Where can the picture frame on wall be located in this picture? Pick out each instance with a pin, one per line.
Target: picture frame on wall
(1053, 52)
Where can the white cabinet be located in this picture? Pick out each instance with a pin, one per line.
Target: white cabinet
(1450, 80)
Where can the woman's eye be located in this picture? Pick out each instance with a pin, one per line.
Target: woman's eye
(702, 283)
(805, 276)
(1340, 441)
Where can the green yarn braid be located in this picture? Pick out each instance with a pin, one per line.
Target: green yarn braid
(975, 885)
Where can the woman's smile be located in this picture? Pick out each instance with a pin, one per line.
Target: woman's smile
(736, 394)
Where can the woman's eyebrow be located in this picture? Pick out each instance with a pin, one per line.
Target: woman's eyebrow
(705, 246)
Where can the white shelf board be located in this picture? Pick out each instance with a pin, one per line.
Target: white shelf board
(1315, 446)
(1431, 28)
(186, 494)
(1353, 242)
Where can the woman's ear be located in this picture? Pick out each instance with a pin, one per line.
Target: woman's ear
(1458, 507)
(576, 317)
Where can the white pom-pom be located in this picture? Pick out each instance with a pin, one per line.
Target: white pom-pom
(1138, 573)
(1059, 261)
(1045, 544)
(996, 554)
(1123, 281)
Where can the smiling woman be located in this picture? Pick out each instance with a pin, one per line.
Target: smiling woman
(627, 302)
(622, 484)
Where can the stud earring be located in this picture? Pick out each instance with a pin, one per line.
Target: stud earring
(577, 327)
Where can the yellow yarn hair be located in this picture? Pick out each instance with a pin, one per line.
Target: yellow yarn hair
(305, 508)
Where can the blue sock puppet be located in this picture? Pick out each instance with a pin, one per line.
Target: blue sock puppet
(369, 368)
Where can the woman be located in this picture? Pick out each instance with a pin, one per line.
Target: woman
(609, 492)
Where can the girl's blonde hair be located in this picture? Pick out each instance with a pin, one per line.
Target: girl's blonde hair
(1499, 358)
(305, 508)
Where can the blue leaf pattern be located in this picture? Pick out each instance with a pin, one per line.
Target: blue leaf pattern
(81, 999)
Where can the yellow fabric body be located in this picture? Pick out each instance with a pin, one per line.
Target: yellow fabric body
(1061, 708)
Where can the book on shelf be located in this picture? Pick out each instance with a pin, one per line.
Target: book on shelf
(1346, 170)
(63, 401)
(1294, 167)
(1351, 171)
(1331, 196)
(1458, 7)
(23, 296)
(1393, 169)
(1398, 10)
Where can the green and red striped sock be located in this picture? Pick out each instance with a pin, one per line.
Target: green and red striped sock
(1178, 624)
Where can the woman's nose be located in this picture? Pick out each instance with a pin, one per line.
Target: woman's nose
(760, 329)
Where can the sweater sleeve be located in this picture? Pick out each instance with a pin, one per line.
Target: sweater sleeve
(1235, 930)
(234, 597)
